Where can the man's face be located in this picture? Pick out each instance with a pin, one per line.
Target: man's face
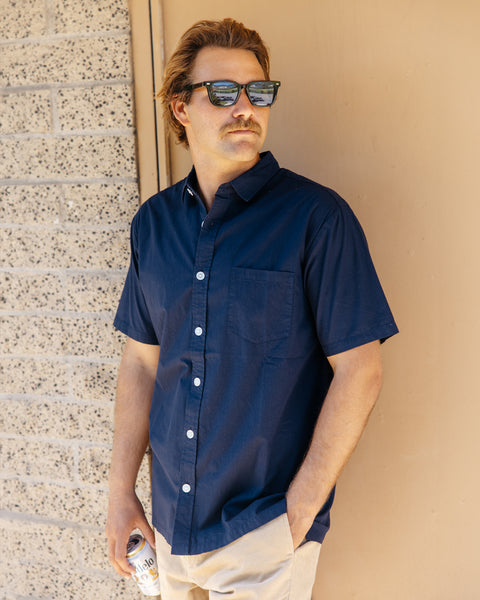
(231, 134)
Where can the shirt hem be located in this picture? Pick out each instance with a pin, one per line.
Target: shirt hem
(135, 334)
(381, 333)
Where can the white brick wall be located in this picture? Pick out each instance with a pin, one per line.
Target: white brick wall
(68, 187)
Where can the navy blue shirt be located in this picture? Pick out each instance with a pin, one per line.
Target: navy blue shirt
(246, 302)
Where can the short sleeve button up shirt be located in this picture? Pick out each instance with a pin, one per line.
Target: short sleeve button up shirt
(246, 302)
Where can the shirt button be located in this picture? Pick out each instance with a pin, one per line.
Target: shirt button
(198, 331)
(200, 275)
(190, 434)
(197, 381)
(186, 488)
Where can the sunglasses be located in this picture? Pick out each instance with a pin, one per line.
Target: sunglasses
(227, 93)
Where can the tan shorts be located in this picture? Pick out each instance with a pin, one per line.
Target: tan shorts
(260, 565)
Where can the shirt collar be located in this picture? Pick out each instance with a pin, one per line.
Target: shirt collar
(245, 185)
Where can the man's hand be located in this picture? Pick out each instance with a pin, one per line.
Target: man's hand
(136, 378)
(125, 513)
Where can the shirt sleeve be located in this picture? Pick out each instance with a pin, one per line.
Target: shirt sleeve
(133, 317)
(347, 300)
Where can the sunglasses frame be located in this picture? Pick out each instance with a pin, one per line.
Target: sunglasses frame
(240, 87)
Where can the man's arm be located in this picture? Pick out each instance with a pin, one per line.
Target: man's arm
(351, 397)
(136, 378)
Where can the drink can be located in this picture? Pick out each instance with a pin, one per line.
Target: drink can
(142, 556)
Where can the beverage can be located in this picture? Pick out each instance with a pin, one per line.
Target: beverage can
(142, 556)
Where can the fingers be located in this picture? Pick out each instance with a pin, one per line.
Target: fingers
(117, 550)
(148, 534)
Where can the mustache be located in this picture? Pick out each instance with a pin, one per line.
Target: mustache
(240, 124)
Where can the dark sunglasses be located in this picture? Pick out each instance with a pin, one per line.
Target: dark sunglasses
(227, 93)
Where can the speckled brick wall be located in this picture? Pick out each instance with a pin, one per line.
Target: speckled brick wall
(68, 192)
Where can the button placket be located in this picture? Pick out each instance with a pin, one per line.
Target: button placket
(203, 259)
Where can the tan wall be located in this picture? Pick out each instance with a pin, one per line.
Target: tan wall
(380, 101)
(68, 187)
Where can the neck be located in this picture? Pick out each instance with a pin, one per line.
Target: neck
(211, 176)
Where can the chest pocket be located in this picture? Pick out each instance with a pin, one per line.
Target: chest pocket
(260, 304)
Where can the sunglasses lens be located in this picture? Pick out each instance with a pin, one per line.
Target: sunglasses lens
(223, 93)
(262, 93)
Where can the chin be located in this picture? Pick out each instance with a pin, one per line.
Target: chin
(243, 152)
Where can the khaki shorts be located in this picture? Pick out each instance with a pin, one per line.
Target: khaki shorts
(260, 565)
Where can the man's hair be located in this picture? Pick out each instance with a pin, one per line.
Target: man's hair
(226, 33)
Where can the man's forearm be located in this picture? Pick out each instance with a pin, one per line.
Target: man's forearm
(132, 408)
(345, 411)
(136, 380)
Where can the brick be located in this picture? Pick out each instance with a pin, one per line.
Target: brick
(27, 248)
(28, 159)
(22, 19)
(91, 337)
(30, 376)
(57, 419)
(99, 107)
(94, 464)
(83, 506)
(30, 204)
(30, 542)
(71, 60)
(39, 335)
(93, 550)
(30, 336)
(68, 157)
(20, 291)
(94, 249)
(25, 112)
(101, 15)
(54, 248)
(38, 581)
(36, 459)
(94, 293)
(100, 204)
(94, 381)
(95, 156)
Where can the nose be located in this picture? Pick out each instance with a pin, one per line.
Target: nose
(243, 107)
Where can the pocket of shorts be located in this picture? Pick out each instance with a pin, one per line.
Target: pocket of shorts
(260, 304)
(288, 533)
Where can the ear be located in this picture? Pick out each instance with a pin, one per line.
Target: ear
(180, 111)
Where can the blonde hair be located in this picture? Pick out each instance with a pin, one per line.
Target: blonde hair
(226, 33)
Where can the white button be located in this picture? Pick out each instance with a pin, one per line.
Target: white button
(186, 488)
(190, 191)
(190, 434)
(197, 381)
(198, 331)
(200, 275)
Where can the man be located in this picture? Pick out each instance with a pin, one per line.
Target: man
(253, 315)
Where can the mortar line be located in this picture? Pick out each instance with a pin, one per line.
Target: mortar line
(66, 358)
(64, 442)
(71, 181)
(64, 483)
(90, 83)
(60, 37)
(62, 134)
(66, 227)
(110, 274)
